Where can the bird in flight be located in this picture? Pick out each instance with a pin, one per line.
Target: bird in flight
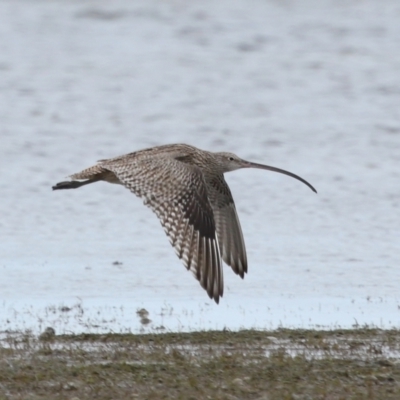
(186, 189)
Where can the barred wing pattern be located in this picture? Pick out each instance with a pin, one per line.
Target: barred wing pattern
(229, 232)
(183, 209)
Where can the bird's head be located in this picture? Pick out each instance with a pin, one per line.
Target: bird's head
(231, 162)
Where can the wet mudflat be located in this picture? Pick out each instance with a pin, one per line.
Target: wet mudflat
(249, 364)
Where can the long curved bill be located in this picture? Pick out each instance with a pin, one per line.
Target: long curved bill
(249, 164)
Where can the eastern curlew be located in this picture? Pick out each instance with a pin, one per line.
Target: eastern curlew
(186, 189)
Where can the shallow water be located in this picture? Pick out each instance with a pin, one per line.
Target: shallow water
(312, 88)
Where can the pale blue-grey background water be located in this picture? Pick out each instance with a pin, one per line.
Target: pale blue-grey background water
(308, 86)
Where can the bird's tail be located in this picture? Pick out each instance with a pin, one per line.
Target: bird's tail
(88, 175)
(73, 184)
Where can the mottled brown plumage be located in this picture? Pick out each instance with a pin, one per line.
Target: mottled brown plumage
(186, 189)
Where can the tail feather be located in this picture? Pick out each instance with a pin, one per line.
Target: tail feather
(88, 175)
(73, 184)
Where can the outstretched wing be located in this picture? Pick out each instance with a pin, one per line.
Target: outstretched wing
(227, 223)
(177, 193)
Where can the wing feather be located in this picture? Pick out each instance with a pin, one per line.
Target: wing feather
(229, 232)
(177, 194)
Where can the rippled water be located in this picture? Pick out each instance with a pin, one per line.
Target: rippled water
(311, 87)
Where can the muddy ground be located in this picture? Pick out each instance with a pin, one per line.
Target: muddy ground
(280, 364)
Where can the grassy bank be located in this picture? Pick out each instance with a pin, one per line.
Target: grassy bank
(282, 364)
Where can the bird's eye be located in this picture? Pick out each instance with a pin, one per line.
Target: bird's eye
(230, 158)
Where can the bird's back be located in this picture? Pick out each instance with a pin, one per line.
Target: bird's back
(164, 151)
